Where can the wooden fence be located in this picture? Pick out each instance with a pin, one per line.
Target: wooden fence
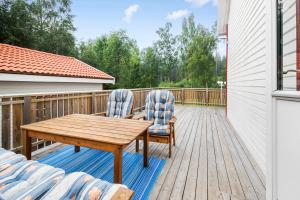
(18, 110)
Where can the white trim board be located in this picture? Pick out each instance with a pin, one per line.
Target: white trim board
(58, 79)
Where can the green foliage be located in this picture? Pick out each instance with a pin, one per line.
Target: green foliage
(180, 84)
(45, 25)
(185, 60)
(115, 54)
(221, 67)
(149, 68)
(15, 23)
(167, 53)
(200, 59)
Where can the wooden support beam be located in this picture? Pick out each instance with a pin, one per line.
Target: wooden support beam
(27, 110)
(93, 101)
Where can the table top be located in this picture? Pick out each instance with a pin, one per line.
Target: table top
(94, 128)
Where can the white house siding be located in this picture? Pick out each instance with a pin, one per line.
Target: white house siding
(15, 88)
(289, 43)
(247, 109)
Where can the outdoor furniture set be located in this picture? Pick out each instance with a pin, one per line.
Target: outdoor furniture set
(111, 131)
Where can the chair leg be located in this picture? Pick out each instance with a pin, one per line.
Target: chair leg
(173, 136)
(170, 146)
(137, 146)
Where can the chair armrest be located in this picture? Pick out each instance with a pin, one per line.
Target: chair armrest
(173, 120)
(139, 116)
(129, 116)
(100, 114)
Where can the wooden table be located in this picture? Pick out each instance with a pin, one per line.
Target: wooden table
(108, 134)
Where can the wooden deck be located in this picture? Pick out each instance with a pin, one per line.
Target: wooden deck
(209, 162)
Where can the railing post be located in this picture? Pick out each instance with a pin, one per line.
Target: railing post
(182, 95)
(26, 113)
(27, 110)
(141, 100)
(93, 99)
(221, 96)
(206, 96)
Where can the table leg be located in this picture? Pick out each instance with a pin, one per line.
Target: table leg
(146, 144)
(77, 149)
(26, 145)
(118, 153)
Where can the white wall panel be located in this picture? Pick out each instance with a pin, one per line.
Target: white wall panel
(14, 88)
(247, 109)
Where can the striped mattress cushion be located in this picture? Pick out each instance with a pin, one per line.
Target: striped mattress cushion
(25, 179)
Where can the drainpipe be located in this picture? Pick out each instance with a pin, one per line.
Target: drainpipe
(226, 69)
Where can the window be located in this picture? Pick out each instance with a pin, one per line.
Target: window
(288, 45)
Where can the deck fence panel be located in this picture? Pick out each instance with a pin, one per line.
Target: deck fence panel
(18, 110)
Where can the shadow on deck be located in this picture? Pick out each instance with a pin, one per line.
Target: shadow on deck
(209, 162)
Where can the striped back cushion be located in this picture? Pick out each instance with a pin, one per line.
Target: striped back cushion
(119, 103)
(160, 106)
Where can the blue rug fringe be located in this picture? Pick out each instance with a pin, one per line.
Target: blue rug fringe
(100, 165)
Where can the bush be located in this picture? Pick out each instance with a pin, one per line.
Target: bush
(181, 84)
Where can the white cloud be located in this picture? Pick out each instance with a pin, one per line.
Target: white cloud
(178, 14)
(202, 2)
(129, 12)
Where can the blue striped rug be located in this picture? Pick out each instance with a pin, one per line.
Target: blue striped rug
(100, 164)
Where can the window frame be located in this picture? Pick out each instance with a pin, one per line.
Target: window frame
(279, 27)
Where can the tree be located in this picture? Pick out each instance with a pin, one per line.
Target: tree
(45, 25)
(150, 66)
(168, 54)
(189, 31)
(220, 67)
(53, 26)
(16, 23)
(115, 54)
(185, 60)
(201, 62)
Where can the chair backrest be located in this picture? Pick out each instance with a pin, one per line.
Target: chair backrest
(119, 103)
(160, 106)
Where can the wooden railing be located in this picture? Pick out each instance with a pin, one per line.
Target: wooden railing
(18, 110)
(200, 96)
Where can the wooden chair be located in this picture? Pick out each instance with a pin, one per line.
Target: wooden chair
(159, 109)
(119, 105)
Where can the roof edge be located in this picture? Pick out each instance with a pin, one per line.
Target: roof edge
(109, 77)
(54, 79)
(95, 68)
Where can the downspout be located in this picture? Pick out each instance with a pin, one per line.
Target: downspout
(298, 43)
(226, 69)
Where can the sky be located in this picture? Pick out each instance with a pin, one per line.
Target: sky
(139, 18)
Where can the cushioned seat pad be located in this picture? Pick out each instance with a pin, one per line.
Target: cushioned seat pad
(158, 129)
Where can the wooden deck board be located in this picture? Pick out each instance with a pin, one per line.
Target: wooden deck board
(209, 160)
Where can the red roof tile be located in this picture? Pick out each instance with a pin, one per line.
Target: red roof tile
(15, 59)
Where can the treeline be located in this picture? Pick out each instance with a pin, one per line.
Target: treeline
(185, 60)
(45, 25)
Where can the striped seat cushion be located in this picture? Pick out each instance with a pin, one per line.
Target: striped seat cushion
(8, 158)
(157, 129)
(79, 185)
(28, 179)
(21, 179)
(119, 103)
